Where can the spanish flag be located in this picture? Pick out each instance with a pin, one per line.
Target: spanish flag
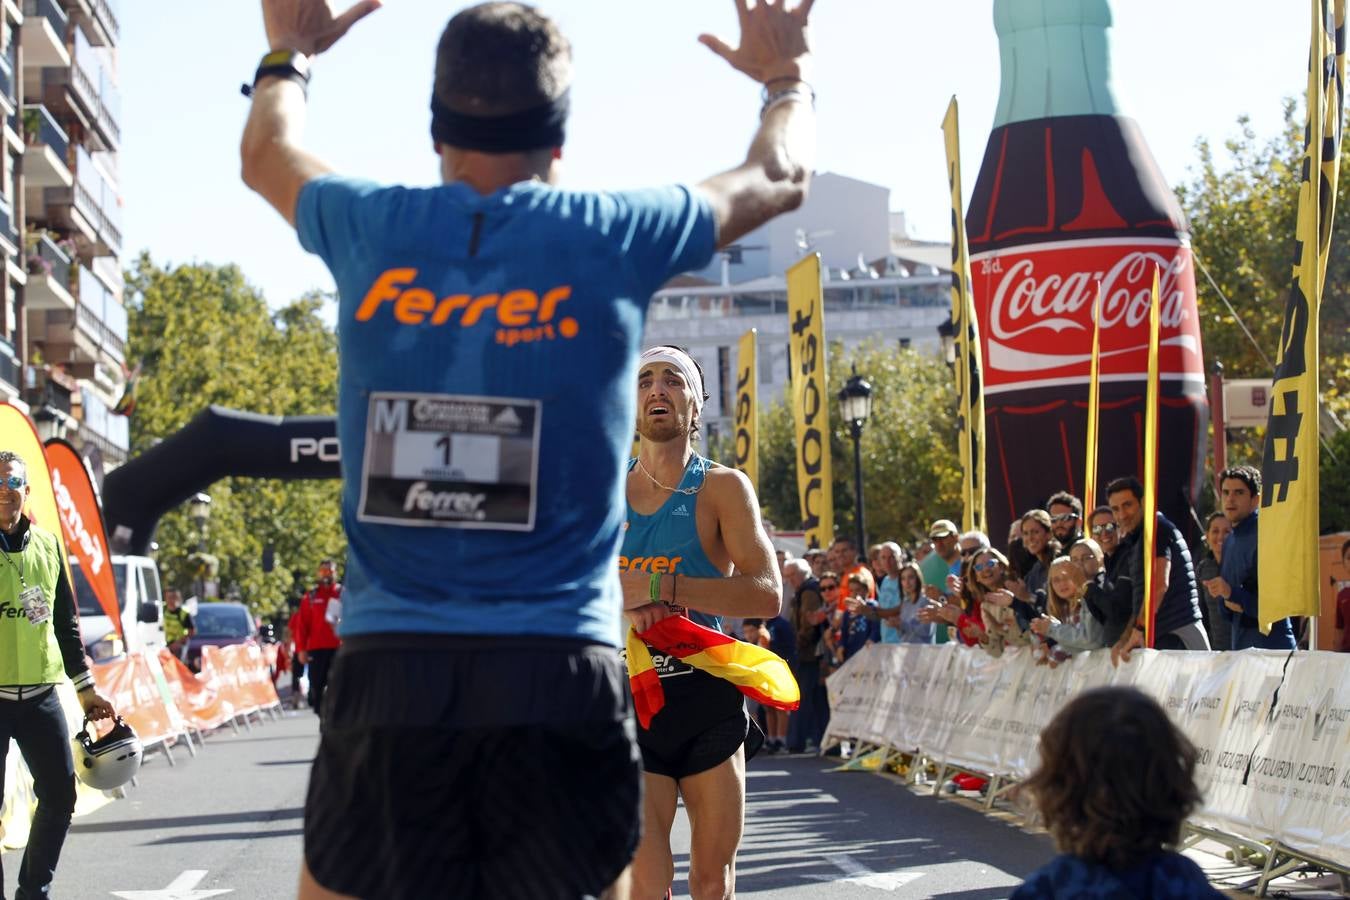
(759, 674)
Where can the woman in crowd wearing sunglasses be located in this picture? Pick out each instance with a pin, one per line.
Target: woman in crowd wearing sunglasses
(995, 601)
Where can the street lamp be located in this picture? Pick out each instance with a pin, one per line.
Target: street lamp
(855, 404)
(199, 511)
(947, 339)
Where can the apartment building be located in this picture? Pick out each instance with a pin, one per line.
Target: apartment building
(64, 324)
(879, 286)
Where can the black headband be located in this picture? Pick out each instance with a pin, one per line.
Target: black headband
(531, 129)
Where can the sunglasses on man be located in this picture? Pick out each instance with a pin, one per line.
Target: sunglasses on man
(829, 587)
(14, 482)
(1064, 517)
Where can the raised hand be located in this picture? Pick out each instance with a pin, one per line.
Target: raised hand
(773, 44)
(310, 26)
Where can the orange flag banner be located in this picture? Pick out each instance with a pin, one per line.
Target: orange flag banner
(758, 673)
(78, 507)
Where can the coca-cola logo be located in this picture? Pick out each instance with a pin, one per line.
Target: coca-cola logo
(1037, 307)
(1021, 303)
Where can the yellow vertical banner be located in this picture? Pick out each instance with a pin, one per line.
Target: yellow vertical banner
(810, 402)
(747, 408)
(969, 368)
(1093, 411)
(1151, 465)
(1287, 551)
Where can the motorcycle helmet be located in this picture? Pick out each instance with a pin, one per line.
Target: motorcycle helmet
(110, 761)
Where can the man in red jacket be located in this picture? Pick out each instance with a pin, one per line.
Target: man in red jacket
(315, 628)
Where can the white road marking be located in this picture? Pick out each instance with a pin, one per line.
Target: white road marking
(857, 873)
(181, 888)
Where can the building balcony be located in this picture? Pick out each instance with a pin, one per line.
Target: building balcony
(9, 234)
(46, 150)
(97, 19)
(44, 34)
(73, 210)
(78, 339)
(87, 211)
(74, 91)
(9, 367)
(50, 389)
(7, 96)
(49, 273)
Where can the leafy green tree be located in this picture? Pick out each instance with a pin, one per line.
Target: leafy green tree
(1243, 217)
(205, 336)
(911, 474)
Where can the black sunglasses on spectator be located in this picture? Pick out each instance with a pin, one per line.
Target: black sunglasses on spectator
(966, 551)
(1104, 528)
(1064, 517)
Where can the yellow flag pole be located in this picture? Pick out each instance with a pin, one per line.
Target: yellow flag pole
(1151, 465)
(1093, 411)
(969, 368)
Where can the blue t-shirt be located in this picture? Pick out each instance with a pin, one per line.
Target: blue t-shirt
(487, 396)
(888, 597)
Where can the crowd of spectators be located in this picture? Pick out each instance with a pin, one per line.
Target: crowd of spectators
(1062, 583)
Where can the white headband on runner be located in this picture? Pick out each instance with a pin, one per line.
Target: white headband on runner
(681, 362)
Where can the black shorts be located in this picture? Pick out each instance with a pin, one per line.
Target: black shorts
(701, 751)
(473, 767)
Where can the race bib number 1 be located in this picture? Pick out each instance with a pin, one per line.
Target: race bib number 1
(450, 461)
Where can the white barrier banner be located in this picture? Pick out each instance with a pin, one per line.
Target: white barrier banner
(1272, 731)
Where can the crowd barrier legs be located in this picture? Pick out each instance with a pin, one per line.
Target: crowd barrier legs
(1272, 732)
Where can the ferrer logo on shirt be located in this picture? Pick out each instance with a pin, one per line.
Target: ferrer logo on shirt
(522, 316)
(660, 565)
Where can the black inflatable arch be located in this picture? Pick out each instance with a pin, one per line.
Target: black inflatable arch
(217, 443)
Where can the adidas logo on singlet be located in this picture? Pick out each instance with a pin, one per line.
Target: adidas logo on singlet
(680, 510)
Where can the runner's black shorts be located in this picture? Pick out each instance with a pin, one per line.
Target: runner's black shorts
(474, 767)
(702, 725)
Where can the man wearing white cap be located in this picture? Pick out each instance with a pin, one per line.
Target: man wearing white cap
(943, 561)
(694, 545)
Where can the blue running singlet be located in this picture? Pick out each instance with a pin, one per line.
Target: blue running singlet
(486, 402)
(667, 541)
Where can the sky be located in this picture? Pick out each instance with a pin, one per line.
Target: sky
(652, 105)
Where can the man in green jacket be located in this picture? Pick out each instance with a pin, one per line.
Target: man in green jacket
(39, 646)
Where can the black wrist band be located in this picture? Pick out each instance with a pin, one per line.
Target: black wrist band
(289, 64)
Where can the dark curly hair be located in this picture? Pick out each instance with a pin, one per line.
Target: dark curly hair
(1116, 779)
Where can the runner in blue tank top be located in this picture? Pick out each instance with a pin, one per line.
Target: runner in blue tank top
(488, 334)
(698, 523)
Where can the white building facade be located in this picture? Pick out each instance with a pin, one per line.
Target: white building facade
(878, 288)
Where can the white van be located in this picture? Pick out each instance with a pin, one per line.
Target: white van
(138, 589)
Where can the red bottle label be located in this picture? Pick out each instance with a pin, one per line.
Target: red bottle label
(1035, 304)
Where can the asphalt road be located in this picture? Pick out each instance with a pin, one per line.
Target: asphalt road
(228, 823)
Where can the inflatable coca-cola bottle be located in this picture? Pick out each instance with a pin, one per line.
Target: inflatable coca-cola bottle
(1068, 198)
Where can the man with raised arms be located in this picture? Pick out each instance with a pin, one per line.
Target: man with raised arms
(696, 526)
(477, 738)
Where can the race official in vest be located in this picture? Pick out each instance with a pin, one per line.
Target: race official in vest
(39, 647)
(178, 624)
